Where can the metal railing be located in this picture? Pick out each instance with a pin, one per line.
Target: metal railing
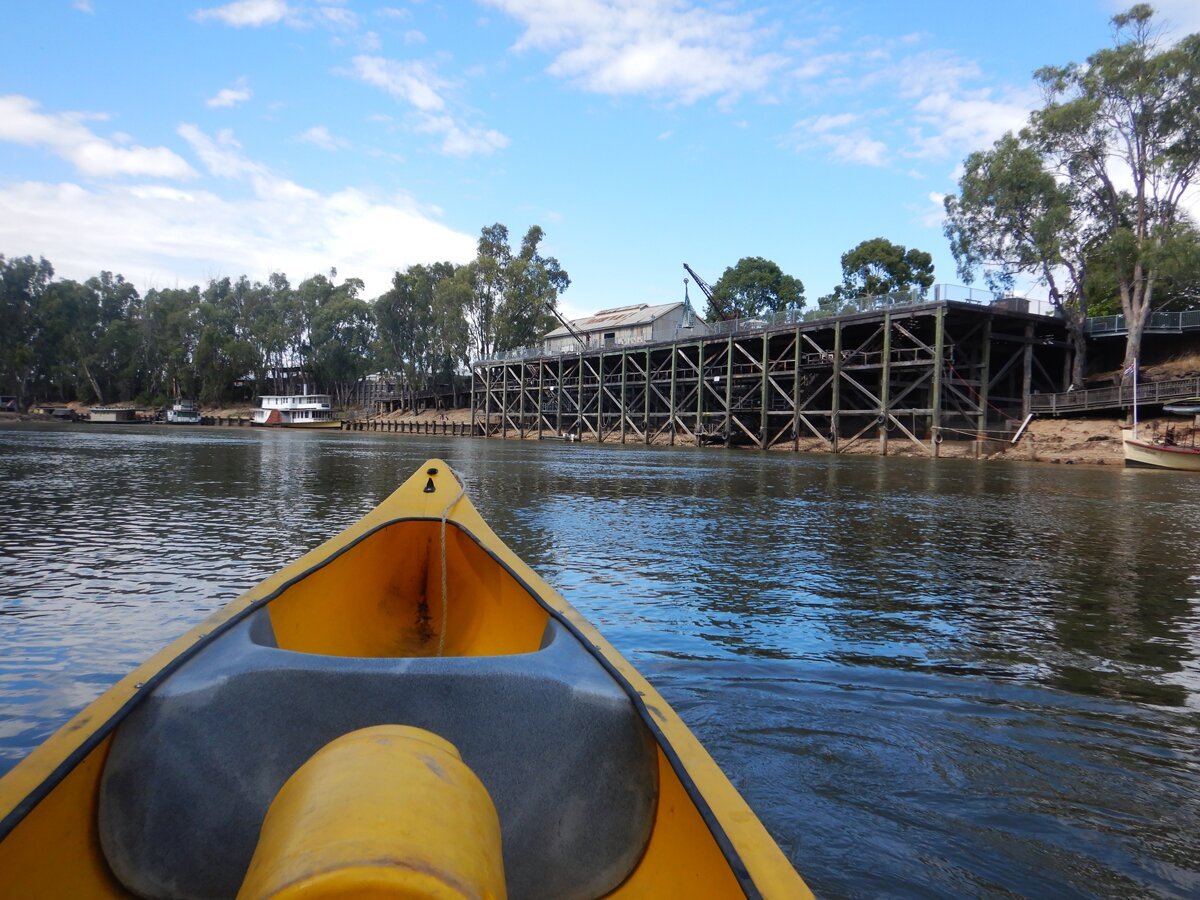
(1149, 393)
(752, 324)
(1158, 323)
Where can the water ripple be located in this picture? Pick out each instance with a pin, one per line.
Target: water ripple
(929, 679)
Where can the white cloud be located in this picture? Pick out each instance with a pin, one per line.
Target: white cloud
(407, 80)
(935, 214)
(247, 13)
(231, 96)
(662, 48)
(828, 123)
(419, 86)
(954, 123)
(412, 36)
(393, 12)
(947, 116)
(65, 135)
(934, 108)
(841, 134)
(84, 6)
(462, 140)
(338, 17)
(160, 236)
(223, 159)
(319, 136)
(816, 66)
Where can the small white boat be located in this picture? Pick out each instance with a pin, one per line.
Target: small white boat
(296, 411)
(183, 412)
(1163, 452)
(1170, 450)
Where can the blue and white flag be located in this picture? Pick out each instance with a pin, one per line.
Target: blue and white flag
(1132, 368)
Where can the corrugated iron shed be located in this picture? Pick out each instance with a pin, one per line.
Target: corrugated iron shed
(617, 317)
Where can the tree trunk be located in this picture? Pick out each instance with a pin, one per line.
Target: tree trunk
(1136, 295)
(87, 371)
(1075, 325)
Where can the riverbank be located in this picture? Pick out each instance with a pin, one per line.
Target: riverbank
(1092, 441)
(1095, 441)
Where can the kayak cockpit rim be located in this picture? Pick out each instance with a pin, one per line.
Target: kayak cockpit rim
(206, 635)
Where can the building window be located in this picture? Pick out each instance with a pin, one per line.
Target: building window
(610, 338)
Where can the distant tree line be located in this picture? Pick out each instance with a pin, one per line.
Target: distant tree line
(100, 341)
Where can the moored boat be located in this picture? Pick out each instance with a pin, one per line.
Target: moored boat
(296, 411)
(409, 707)
(1168, 450)
(183, 412)
(1163, 452)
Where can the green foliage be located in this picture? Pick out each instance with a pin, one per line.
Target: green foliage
(755, 287)
(489, 272)
(342, 332)
(513, 295)
(100, 341)
(409, 319)
(451, 335)
(874, 268)
(532, 283)
(1177, 261)
(1102, 168)
(1012, 217)
(23, 283)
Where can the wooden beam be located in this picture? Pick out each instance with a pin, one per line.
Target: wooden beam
(939, 350)
(885, 382)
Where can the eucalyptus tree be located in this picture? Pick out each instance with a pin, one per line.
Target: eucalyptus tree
(876, 267)
(489, 281)
(169, 331)
(1117, 142)
(532, 283)
(755, 287)
(1013, 216)
(65, 344)
(114, 358)
(23, 281)
(452, 297)
(407, 323)
(265, 308)
(513, 295)
(225, 348)
(1124, 130)
(342, 332)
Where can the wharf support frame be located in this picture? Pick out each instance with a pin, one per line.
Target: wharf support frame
(919, 373)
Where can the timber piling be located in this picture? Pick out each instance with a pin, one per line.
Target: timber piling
(918, 373)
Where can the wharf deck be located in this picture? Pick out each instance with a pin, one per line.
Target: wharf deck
(920, 373)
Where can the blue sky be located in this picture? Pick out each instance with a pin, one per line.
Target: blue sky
(177, 141)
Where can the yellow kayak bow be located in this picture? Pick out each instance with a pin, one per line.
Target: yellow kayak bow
(407, 710)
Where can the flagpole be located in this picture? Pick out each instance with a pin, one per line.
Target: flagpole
(1135, 410)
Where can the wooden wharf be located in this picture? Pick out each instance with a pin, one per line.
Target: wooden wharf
(918, 373)
(395, 426)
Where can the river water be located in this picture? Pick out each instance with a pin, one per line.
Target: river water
(928, 678)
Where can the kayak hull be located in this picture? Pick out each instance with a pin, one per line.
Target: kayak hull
(367, 610)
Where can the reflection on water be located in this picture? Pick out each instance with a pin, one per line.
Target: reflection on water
(927, 678)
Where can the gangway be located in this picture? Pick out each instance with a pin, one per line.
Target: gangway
(1150, 393)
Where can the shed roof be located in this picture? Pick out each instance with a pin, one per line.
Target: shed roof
(617, 317)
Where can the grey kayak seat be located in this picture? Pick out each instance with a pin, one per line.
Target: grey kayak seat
(570, 766)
